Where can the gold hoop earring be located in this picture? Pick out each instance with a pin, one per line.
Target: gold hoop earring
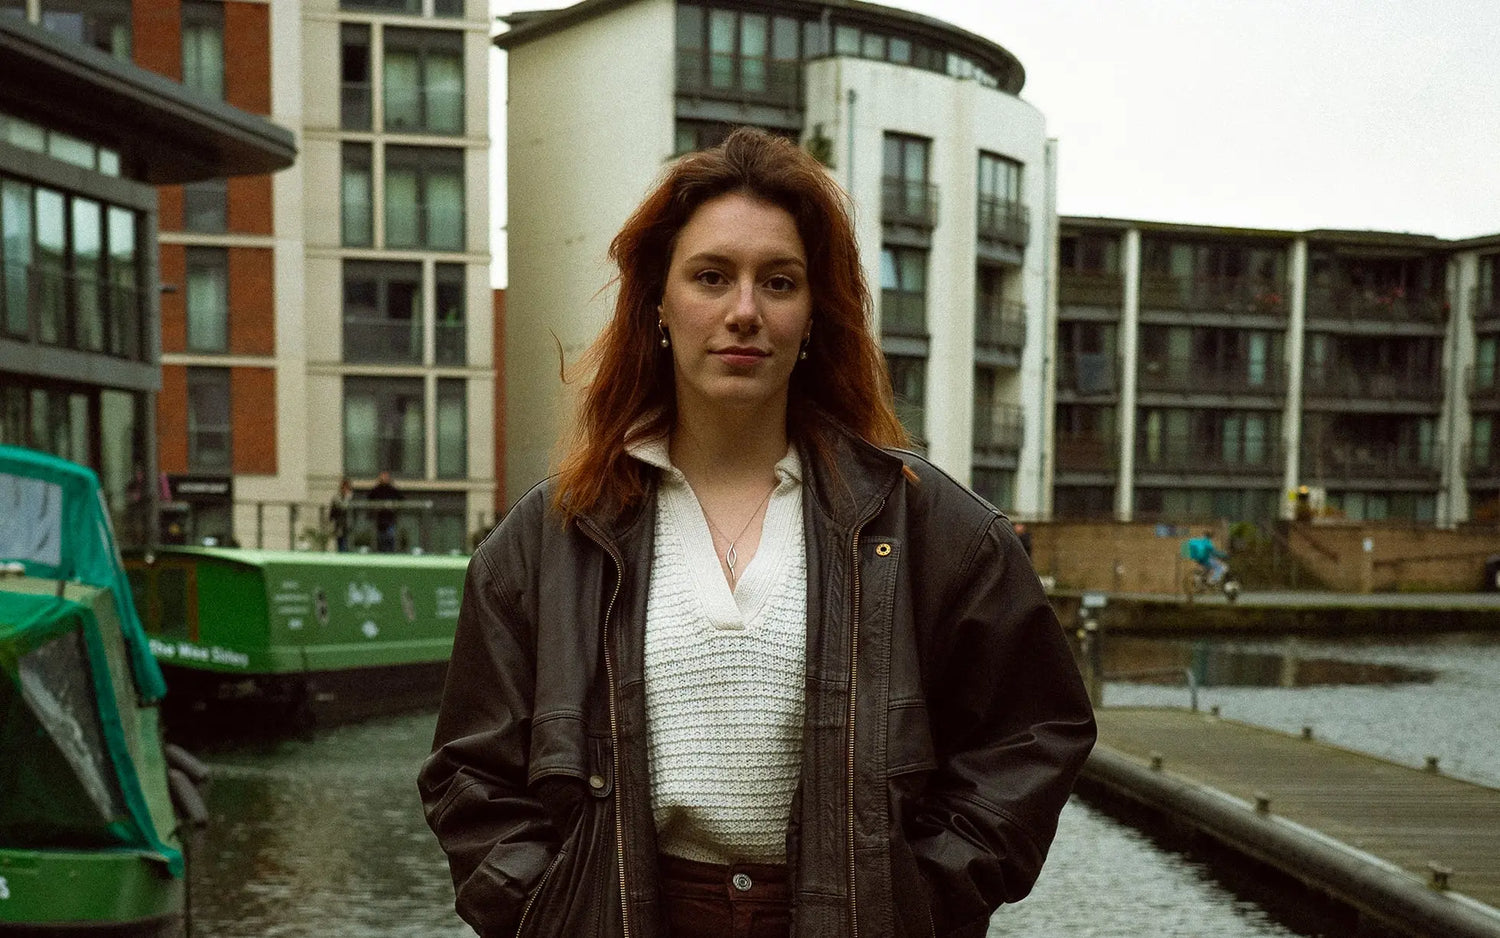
(662, 328)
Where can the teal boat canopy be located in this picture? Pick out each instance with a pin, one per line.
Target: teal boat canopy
(57, 526)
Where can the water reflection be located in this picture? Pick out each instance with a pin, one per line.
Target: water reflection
(1216, 662)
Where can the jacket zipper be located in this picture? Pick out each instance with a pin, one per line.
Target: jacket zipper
(546, 875)
(614, 726)
(853, 700)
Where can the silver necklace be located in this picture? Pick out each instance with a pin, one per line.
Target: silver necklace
(731, 556)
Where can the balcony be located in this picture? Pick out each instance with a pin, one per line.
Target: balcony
(903, 314)
(907, 202)
(451, 343)
(435, 226)
(1000, 326)
(382, 341)
(1343, 461)
(1235, 295)
(1348, 383)
(1004, 221)
(1079, 288)
(1088, 373)
(354, 105)
(426, 109)
(1486, 306)
(1187, 376)
(1197, 456)
(45, 304)
(1483, 383)
(739, 78)
(1087, 452)
(999, 430)
(1349, 304)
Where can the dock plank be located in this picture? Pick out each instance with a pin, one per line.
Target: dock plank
(1407, 816)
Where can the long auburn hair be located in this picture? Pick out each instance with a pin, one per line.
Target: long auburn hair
(632, 393)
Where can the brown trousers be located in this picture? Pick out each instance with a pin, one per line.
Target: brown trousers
(745, 900)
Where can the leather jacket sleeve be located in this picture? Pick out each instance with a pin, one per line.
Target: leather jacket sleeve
(1012, 726)
(498, 836)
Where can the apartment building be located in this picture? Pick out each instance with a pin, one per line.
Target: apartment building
(332, 319)
(85, 136)
(950, 172)
(1212, 372)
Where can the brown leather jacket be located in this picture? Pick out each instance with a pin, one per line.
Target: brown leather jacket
(927, 631)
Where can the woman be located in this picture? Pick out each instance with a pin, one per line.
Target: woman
(741, 669)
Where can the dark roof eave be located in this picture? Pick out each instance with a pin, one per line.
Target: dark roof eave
(166, 132)
(1324, 235)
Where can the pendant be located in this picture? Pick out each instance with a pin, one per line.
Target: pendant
(730, 557)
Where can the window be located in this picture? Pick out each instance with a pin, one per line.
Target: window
(60, 424)
(738, 55)
(996, 486)
(451, 338)
(16, 232)
(906, 195)
(406, 7)
(356, 197)
(423, 80)
(1089, 253)
(383, 426)
(207, 300)
(124, 279)
(903, 291)
(205, 206)
(88, 270)
(354, 77)
(452, 429)
(999, 323)
(1481, 441)
(208, 420)
(424, 198)
(51, 266)
(203, 47)
(909, 381)
(1484, 362)
(1002, 217)
(382, 312)
(103, 24)
(998, 426)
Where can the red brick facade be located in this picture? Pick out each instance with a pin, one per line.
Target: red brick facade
(252, 302)
(171, 420)
(247, 56)
(252, 419)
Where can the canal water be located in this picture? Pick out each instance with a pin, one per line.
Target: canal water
(324, 835)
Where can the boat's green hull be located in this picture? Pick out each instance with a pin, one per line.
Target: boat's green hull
(87, 891)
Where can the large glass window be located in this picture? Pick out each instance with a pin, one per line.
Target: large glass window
(124, 280)
(205, 206)
(15, 222)
(383, 426)
(208, 420)
(356, 197)
(738, 54)
(382, 312)
(906, 194)
(354, 76)
(1001, 214)
(451, 338)
(88, 269)
(122, 463)
(207, 300)
(51, 266)
(103, 24)
(424, 198)
(423, 79)
(60, 424)
(203, 47)
(452, 429)
(903, 291)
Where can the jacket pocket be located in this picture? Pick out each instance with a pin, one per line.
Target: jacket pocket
(909, 738)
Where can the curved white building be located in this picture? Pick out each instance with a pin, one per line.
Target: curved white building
(950, 171)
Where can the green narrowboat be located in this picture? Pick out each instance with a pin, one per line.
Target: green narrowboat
(89, 842)
(263, 639)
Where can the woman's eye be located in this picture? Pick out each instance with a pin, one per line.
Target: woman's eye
(711, 278)
(782, 284)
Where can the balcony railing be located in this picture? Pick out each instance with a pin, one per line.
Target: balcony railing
(1087, 452)
(1377, 305)
(451, 343)
(1196, 455)
(1365, 461)
(749, 79)
(1088, 373)
(906, 202)
(1000, 325)
(1486, 306)
(1482, 463)
(903, 314)
(1200, 377)
(1241, 295)
(1004, 221)
(432, 109)
(424, 225)
(999, 429)
(1350, 383)
(48, 305)
(1079, 288)
(382, 341)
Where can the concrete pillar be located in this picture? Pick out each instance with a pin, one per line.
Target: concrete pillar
(1458, 359)
(1291, 420)
(1130, 318)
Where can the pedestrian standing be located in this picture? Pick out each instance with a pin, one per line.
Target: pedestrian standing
(745, 666)
(385, 492)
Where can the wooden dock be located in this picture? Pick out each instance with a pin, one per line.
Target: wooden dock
(1407, 848)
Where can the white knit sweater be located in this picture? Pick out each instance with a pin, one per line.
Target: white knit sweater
(724, 675)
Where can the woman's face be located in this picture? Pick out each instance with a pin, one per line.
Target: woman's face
(737, 305)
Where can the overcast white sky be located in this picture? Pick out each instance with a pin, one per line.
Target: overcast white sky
(1296, 114)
